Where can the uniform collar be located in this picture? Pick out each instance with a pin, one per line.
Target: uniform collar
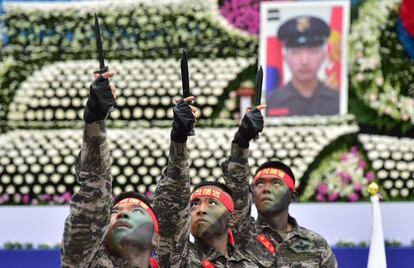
(292, 92)
(296, 229)
(204, 251)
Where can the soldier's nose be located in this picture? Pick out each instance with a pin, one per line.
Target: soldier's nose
(123, 215)
(266, 190)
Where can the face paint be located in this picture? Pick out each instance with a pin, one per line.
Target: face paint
(208, 217)
(130, 225)
(271, 195)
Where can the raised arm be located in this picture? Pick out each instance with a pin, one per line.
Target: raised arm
(86, 224)
(171, 201)
(236, 171)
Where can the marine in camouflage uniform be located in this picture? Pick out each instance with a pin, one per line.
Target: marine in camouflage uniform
(86, 226)
(297, 248)
(172, 204)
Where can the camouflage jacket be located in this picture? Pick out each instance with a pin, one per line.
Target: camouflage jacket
(302, 248)
(236, 171)
(90, 208)
(172, 206)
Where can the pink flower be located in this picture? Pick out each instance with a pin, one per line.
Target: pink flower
(26, 199)
(345, 177)
(45, 197)
(17, 198)
(357, 186)
(320, 198)
(354, 150)
(387, 110)
(379, 81)
(332, 196)
(66, 196)
(149, 195)
(369, 176)
(362, 164)
(322, 188)
(353, 197)
(343, 157)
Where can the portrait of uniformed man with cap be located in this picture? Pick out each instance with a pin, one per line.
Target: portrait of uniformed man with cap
(304, 42)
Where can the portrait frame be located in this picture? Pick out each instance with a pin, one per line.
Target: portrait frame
(332, 72)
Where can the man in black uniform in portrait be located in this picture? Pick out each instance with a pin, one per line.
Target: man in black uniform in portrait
(303, 40)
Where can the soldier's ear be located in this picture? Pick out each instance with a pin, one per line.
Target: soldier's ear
(155, 240)
(251, 190)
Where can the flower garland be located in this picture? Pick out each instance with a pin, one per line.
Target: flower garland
(372, 85)
(344, 176)
(243, 14)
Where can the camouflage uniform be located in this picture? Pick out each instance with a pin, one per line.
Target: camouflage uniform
(300, 248)
(90, 208)
(172, 206)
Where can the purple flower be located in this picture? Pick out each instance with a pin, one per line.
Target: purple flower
(354, 150)
(6, 198)
(320, 198)
(45, 197)
(332, 196)
(58, 199)
(357, 186)
(17, 198)
(243, 14)
(353, 197)
(66, 196)
(26, 199)
(345, 177)
(322, 188)
(343, 157)
(149, 195)
(362, 164)
(35, 202)
(369, 176)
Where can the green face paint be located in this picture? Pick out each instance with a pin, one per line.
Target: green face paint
(209, 217)
(133, 226)
(271, 195)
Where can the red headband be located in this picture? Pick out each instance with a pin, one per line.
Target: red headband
(136, 201)
(216, 193)
(276, 173)
(221, 196)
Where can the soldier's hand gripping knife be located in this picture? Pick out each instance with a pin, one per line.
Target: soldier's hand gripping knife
(183, 120)
(252, 123)
(100, 101)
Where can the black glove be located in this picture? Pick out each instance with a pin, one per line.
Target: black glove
(100, 102)
(250, 127)
(183, 122)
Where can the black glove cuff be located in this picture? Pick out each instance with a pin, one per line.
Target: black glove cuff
(90, 115)
(239, 140)
(178, 137)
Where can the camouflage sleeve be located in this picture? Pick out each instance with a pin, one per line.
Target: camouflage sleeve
(236, 175)
(328, 259)
(90, 207)
(171, 203)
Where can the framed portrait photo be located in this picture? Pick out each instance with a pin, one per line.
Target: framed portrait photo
(303, 51)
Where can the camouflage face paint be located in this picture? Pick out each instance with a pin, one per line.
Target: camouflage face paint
(208, 217)
(130, 226)
(271, 195)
